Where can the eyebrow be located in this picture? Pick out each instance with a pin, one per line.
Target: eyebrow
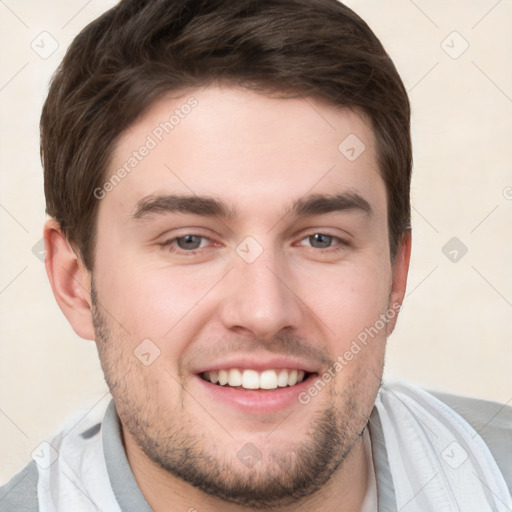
(198, 205)
(315, 204)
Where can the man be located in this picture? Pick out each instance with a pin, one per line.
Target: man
(228, 191)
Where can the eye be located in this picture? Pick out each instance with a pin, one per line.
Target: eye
(321, 241)
(187, 242)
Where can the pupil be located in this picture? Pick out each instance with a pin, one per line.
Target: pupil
(189, 242)
(319, 240)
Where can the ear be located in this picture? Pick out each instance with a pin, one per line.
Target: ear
(70, 280)
(399, 280)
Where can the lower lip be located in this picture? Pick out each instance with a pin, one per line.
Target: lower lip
(256, 401)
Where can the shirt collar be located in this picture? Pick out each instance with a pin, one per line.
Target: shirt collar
(385, 488)
(122, 480)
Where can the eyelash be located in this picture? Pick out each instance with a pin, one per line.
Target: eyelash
(171, 247)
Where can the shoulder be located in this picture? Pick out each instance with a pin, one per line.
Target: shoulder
(493, 423)
(20, 492)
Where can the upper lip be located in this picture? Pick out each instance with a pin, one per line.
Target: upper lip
(259, 364)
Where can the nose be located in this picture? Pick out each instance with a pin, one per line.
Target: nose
(260, 300)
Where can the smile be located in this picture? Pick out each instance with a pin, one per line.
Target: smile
(252, 379)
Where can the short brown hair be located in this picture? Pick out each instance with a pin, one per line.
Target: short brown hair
(140, 49)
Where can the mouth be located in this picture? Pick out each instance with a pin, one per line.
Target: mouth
(255, 385)
(254, 392)
(250, 379)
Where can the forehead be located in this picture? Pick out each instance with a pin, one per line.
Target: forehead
(251, 150)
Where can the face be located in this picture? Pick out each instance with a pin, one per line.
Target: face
(242, 290)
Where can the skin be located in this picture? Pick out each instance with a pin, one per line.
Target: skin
(257, 154)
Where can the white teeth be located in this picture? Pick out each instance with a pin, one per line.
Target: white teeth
(223, 377)
(235, 378)
(282, 379)
(292, 378)
(268, 379)
(251, 379)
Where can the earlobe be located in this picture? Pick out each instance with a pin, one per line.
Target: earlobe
(70, 280)
(400, 271)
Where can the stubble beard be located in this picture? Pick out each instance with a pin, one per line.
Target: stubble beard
(172, 440)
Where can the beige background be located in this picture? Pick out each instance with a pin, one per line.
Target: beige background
(454, 333)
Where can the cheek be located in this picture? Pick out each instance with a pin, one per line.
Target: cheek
(154, 302)
(144, 304)
(350, 300)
